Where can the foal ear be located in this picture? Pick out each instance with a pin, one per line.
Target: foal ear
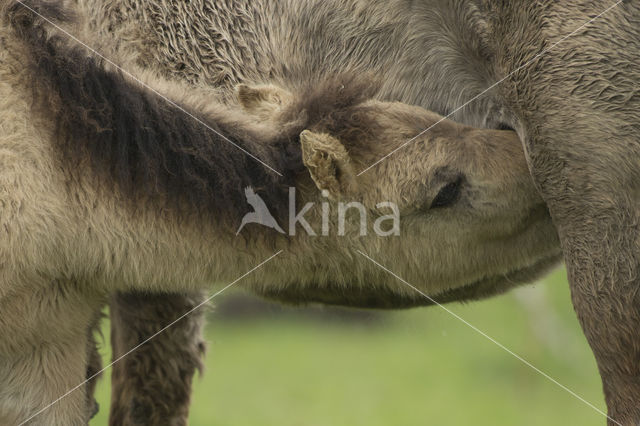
(328, 163)
(263, 101)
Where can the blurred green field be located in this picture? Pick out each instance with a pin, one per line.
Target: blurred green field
(417, 367)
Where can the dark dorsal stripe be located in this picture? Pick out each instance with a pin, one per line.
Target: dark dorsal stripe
(137, 141)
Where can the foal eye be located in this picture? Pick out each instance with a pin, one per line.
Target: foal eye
(447, 195)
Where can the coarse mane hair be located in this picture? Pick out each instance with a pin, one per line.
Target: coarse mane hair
(148, 148)
(135, 140)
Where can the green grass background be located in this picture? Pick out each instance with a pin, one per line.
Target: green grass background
(416, 367)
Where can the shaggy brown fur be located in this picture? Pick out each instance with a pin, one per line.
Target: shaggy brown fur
(221, 44)
(161, 391)
(75, 232)
(575, 107)
(137, 140)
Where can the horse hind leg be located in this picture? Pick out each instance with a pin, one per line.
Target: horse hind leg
(152, 384)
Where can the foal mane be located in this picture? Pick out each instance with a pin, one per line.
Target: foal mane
(147, 148)
(137, 142)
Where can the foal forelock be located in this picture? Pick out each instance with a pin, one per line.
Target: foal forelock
(135, 141)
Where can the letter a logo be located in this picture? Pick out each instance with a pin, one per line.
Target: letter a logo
(260, 214)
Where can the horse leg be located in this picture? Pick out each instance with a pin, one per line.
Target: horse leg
(151, 385)
(43, 353)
